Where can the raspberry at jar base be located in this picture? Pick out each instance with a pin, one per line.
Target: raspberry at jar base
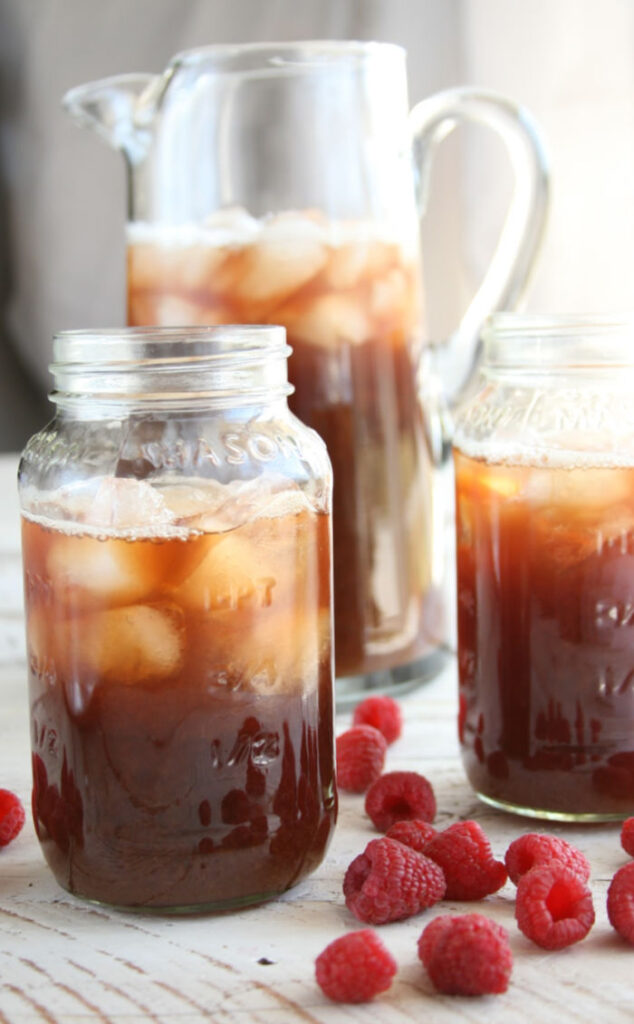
(181, 710)
(400, 796)
(383, 712)
(553, 906)
(355, 967)
(12, 816)
(360, 757)
(466, 955)
(620, 902)
(534, 848)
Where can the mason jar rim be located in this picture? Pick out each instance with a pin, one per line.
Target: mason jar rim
(128, 343)
(223, 362)
(558, 340)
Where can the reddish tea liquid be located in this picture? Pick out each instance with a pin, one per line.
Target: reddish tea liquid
(181, 705)
(351, 308)
(546, 635)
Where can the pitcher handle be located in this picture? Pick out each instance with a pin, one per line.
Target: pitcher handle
(508, 273)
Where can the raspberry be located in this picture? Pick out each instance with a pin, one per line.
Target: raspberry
(621, 902)
(381, 712)
(533, 849)
(553, 906)
(360, 757)
(627, 836)
(466, 955)
(390, 881)
(464, 853)
(11, 816)
(412, 833)
(399, 796)
(355, 967)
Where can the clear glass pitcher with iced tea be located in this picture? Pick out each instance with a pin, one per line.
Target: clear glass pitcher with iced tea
(284, 184)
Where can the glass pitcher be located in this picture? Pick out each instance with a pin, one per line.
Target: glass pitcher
(284, 184)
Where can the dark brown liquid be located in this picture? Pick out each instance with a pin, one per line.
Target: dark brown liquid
(183, 744)
(546, 635)
(352, 318)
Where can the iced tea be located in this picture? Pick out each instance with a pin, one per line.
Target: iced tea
(349, 298)
(181, 695)
(546, 633)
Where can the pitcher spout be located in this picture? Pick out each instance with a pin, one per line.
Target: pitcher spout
(119, 109)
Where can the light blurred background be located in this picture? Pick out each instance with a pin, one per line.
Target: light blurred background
(62, 200)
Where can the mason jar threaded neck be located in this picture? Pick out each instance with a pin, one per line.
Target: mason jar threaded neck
(558, 343)
(232, 364)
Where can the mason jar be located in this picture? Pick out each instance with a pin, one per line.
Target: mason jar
(544, 463)
(177, 567)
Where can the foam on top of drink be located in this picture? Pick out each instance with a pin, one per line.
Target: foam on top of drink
(235, 227)
(125, 508)
(559, 456)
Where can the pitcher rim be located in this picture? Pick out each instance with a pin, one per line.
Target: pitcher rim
(354, 50)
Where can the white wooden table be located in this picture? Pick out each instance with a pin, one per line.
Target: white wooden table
(62, 960)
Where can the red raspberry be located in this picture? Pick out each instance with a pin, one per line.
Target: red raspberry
(627, 836)
(553, 906)
(621, 902)
(413, 833)
(390, 881)
(11, 816)
(381, 712)
(466, 955)
(355, 967)
(533, 848)
(360, 757)
(399, 796)
(464, 853)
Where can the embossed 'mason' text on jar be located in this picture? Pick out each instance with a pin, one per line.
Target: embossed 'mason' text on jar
(177, 563)
(544, 459)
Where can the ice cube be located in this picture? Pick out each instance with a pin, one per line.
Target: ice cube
(178, 311)
(284, 503)
(143, 307)
(264, 559)
(231, 226)
(125, 504)
(346, 265)
(389, 296)
(103, 570)
(353, 260)
(189, 500)
(283, 654)
(328, 321)
(589, 487)
(232, 573)
(145, 263)
(130, 645)
(289, 253)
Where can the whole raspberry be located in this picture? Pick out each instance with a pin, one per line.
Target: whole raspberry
(533, 848)
(464, 853)
(553, 906)
(466, 955)
(399, 796)
(360, 757)
(381, 712)
(355, 967)
(412, 833)
(627, 836)
(621, 902)
(12, 816)
(389, 881)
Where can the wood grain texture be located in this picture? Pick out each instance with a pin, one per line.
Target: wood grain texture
(63, 961)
